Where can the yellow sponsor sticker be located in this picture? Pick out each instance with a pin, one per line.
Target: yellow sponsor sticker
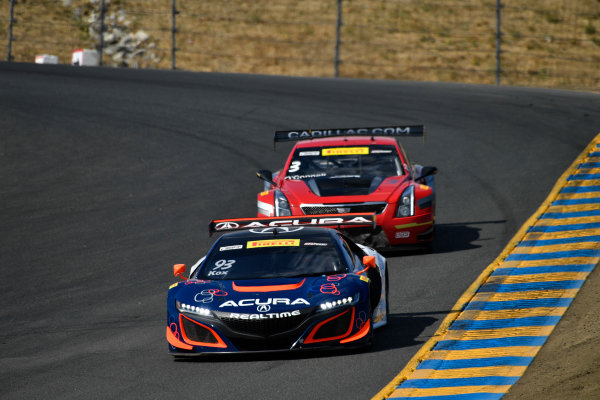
(272, 243)
(173, 285)
(344, 151)
(364, 278)
(266, 192)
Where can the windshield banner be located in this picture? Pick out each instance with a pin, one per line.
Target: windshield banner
(272, 243)
(345, 151)
(407, 130)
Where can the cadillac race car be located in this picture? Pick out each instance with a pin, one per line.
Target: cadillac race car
(339, 171)
(279, 284)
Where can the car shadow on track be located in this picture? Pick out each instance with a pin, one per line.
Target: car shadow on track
(402, 330)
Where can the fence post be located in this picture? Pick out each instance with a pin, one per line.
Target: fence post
(174, 12)
(498, 41)
(10, 35)
(101, 40)
(338, 27)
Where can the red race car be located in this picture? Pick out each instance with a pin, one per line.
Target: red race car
(339, 171)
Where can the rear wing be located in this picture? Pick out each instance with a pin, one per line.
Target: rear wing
(397, 131)
(321, 220)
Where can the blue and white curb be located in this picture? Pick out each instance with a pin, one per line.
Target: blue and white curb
(507, 314)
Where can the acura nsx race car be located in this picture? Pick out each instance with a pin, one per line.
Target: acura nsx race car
(279, 284)
(339, 171)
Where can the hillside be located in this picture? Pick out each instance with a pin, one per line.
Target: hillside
(554, 43)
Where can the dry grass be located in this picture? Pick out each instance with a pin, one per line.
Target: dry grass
(41, 27)
(549, 43)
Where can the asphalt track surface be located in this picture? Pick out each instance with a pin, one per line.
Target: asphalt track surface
(108, 177)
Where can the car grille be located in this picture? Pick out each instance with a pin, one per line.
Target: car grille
(281, 343)
(336, 326)
(263, 327)
(377, 208)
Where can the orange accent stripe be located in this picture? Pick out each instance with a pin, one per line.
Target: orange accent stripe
(360, 334)
(176, 342)
(272, 288)
(220, 343)
(310, 338)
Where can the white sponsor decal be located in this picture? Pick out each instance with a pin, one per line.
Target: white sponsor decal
(226, 225)
(403, 234)
(270, 301)
(313, 221)
(205, 296)
(309, 153)
(265, 316)
(263, 308)
(234, 247)
(381, 151)
(325, 221)
(398, 130)
(314, 244)
(280, 229)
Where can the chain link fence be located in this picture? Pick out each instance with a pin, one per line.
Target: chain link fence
(547, 43)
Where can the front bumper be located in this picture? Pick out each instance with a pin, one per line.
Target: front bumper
(354, 331)
(416, 231)
(410, 230)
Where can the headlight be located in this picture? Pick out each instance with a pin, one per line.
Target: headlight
(182, 307)
(282, 206)
(328, 305)
(406, 203)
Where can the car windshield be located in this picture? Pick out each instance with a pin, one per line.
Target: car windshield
(344, 162)
(275, 257)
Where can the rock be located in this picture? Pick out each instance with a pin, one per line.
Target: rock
(125, 47)
(141, 36)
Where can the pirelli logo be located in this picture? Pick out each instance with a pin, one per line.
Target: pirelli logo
(272, 243)
(344, 151)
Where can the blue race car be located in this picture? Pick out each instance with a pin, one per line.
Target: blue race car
(279, 284)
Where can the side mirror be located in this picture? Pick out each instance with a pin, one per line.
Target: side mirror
(369, 261)
(178, 270)
(266, 176)
(427, 171)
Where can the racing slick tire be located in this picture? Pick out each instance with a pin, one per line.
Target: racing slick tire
(387, 293)
(374, 287)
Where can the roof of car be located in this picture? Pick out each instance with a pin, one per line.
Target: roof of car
(346, 141)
